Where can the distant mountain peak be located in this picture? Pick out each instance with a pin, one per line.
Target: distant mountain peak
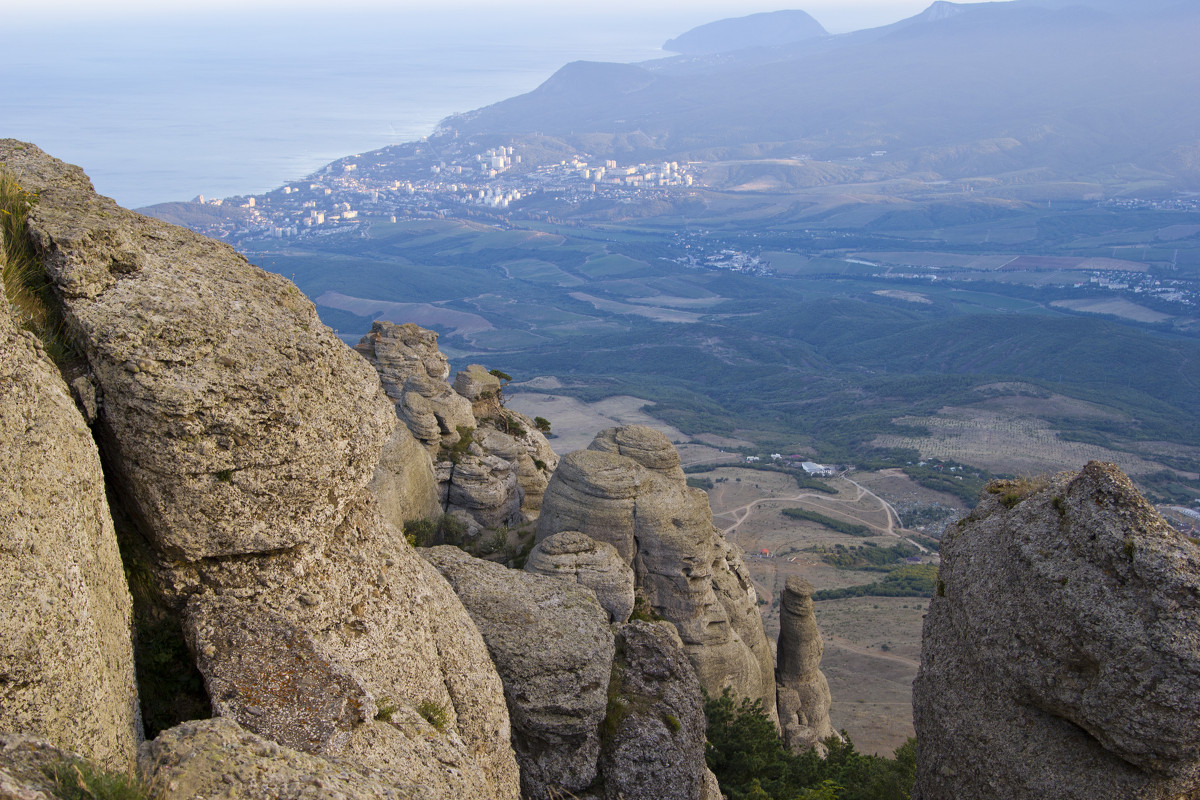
(940, 10)
(768, 29)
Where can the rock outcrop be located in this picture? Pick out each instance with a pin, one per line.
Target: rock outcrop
(240, 434)
(596, 565)
(655, 748)
(802, 689)
(218, 758)
(553, 648)
(404, 481)
(492, 464)
(1061, 657)
(224, 397)
(627, 489)
(66, 656)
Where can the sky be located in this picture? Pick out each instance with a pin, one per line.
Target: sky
(838, 16)
(166, 100)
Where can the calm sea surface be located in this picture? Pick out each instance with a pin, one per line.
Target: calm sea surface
(165, 109)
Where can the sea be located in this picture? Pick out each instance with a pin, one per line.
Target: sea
(160, 107)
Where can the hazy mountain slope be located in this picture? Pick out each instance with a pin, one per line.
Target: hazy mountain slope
(1073, 89)
(756, 30)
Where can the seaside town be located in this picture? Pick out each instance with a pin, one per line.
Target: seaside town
(420, 179)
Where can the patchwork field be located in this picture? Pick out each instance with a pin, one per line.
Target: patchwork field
(1001, 442)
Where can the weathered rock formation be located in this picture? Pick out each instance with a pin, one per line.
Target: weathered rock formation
(1061, 657)
(66, 656)
(554, 650)
(497, 480)
(596, 565)
(404, 481)
(240, 434)
(627, 489)
(603, 717)
(802, 689)
(219, 758)
(655, 748)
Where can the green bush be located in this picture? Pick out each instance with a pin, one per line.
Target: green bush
(848, 528)
(751, 762)
(914, 580)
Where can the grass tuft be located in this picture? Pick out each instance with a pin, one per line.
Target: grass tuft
(26, 287)
(80, 780)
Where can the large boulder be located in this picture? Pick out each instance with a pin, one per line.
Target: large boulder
(596, 565)
(1060, 656)
(485, 487)
(404, 481)
(655, 746)
(802, 689)
(219, 758)
(553, 648)
(628, 490)
(491, 464)
(66, 655)
(227, 414)
(326, 654)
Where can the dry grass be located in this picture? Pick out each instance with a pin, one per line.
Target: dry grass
(27, 290)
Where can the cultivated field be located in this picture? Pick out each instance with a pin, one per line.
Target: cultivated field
(1003, 443)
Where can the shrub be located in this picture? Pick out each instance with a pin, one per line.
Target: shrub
(542, 424)
(752, 763)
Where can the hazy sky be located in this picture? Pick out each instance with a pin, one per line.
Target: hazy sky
(836, 15)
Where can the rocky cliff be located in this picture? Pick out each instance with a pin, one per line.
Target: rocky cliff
(1060, 657)
(237, 436)
(628, 490)
(492, 463)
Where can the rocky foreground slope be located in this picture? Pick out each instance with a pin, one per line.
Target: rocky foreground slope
(1061, 655)
(238, 436)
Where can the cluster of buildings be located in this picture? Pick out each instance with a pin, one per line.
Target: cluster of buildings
(728, 259)
(439, 177)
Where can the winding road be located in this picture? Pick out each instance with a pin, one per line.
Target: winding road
(742, 513)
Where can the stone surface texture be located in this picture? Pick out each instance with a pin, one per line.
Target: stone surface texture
(1061, 657)
(225, 400)
(371, 619)
(628, 490)
(501, 478)
(596, 565)
(66, 656)
(404, 481)
(553, 647)
(220, 760)
(802, 689)
(656, 748)
(242, 434)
